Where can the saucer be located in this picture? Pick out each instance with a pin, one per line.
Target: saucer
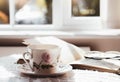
(62, 69)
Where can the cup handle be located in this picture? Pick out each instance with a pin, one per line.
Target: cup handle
(24, 57)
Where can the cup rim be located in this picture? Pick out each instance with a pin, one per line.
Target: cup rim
(43, 46)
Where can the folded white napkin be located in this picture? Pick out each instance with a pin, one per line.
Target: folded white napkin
(69, 52)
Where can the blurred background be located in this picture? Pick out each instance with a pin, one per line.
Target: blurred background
(33, 11)
(4, 12)
(85, 7)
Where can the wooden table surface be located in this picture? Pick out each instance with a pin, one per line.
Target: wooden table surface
(9, 71)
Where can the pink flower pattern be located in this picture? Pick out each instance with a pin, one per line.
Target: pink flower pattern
(46, 57)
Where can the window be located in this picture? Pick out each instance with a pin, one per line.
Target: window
(51, 14)
(84, 14)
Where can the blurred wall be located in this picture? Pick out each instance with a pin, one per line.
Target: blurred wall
(95, 43)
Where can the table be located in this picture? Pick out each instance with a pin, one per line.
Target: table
(9, 72)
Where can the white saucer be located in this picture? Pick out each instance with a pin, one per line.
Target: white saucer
(61, 70)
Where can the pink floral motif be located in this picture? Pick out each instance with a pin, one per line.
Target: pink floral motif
(46, 57)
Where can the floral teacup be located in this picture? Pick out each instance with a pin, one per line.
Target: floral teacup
(44, 59)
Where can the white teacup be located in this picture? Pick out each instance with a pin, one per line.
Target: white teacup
(44, 59)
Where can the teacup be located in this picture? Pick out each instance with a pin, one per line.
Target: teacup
(43, 59)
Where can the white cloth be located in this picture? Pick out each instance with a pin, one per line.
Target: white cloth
(11, 73)
(69, 52)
